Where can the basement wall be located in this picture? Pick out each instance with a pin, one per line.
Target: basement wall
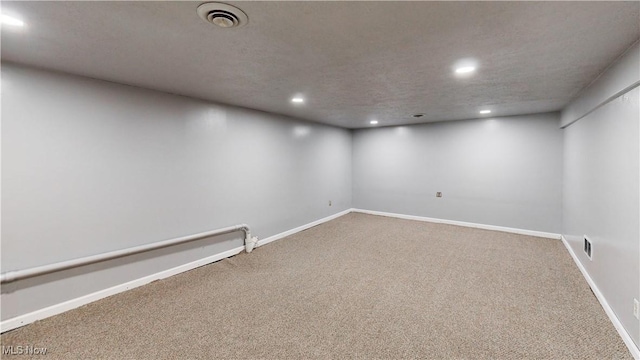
(504, 171)
(90, 166)
(602, 184)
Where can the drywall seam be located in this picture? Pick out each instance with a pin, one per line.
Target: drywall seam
(605, 305)
(462, 223)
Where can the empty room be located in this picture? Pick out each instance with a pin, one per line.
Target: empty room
(320, 180)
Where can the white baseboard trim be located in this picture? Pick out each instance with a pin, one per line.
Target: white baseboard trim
(605, 305)
(56, 309)
(462, 223)
(302, 228)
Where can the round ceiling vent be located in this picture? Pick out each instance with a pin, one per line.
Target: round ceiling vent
(222, 15)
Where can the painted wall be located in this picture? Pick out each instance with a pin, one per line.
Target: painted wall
(620, 77)
(90, 166)
(497, 171)
(602, 192)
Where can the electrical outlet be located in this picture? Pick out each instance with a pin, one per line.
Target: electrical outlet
(636, 309)
(438, 194)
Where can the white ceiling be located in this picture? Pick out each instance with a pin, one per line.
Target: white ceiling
(353, 61)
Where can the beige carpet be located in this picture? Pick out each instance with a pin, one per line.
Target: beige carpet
(358, 287)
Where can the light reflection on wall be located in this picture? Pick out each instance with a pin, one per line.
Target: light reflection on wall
(301, 131)
(403, 130)
(492, 124)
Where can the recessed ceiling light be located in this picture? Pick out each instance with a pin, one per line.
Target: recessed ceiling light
(465, 69)
(373, 122)
(297, 100)
(485, 111)
(9, 20)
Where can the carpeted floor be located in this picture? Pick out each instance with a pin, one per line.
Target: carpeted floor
(360, 286)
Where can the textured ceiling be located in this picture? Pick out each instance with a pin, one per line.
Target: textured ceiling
(353, 61)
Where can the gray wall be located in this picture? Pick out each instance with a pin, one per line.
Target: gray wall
(619, 77)
(90, 166)
(602, 191)
(496, 171)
